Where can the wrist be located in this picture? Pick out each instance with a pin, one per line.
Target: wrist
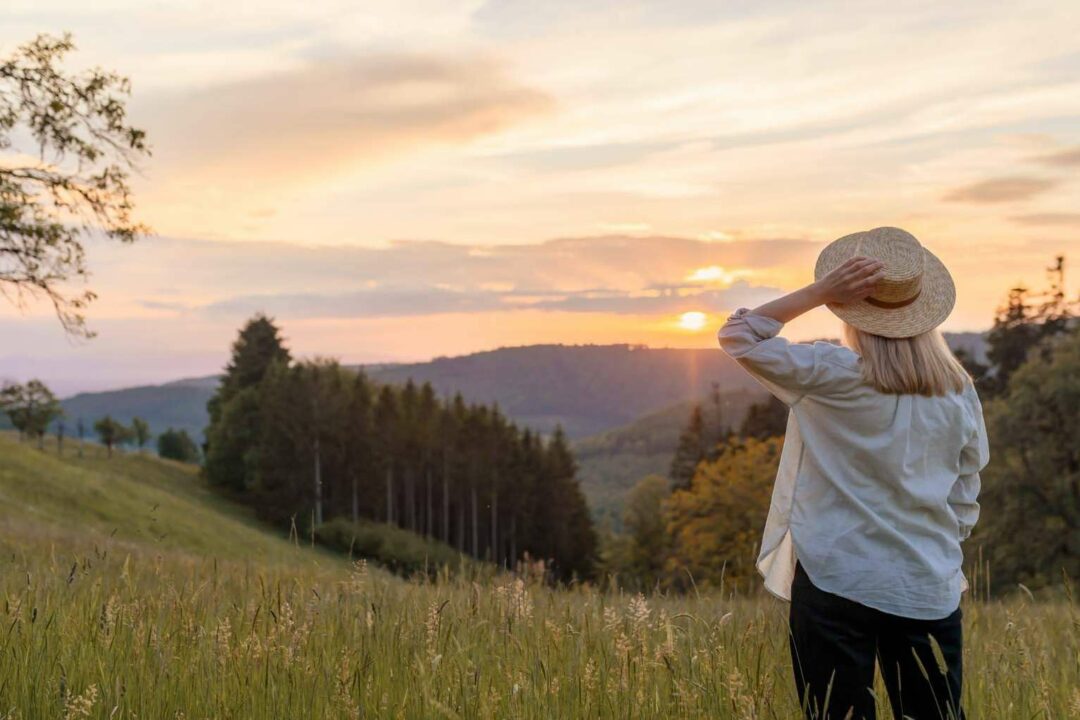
(817, 294)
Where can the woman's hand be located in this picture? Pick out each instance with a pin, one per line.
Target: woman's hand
(853, 280)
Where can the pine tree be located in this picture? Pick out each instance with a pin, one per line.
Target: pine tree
(765, 419)
(387, 432)
(575, 547)
(690, 450)
(234, 414)
(360, 460)
(429, 418)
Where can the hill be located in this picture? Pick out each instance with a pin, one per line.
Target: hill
(586, 388)
(137, 500)
(610, 463)
(180, 405)
(589, 389)
(116, 605)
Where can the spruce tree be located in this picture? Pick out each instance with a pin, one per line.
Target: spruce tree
(360, 460)
(234, 414)
(690, 450)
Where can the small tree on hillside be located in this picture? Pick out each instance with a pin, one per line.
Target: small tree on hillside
(140, 431)
(177, 445)
(111, 433)
(31, 407)
(643, 518)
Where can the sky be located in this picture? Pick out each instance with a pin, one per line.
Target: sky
(398, 180)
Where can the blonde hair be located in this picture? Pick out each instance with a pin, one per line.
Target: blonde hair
(919, 365)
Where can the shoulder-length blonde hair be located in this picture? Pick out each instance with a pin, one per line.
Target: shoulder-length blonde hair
(920, 365)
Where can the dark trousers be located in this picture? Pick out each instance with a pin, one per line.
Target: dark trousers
(835, 641)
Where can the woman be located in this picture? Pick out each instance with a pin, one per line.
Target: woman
(878, 478)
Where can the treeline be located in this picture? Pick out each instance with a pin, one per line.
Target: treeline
(32, 408)
(305, 443)
(702, 525)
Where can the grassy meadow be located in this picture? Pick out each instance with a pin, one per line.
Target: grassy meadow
(130, 591)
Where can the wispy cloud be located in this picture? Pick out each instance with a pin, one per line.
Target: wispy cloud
(608, 273)
(1004, 189)
(432, 300)
(1049, 218)
(1063, 158)
(333, 113)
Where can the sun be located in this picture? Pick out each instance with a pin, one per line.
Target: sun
(693, 321)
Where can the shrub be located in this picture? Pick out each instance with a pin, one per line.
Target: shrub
(398, 550)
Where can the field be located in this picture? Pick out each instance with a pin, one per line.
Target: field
(129, 591)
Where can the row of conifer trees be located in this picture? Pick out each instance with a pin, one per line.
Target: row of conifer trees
(307, 442)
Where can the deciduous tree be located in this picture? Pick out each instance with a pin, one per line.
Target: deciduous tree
(68, 149)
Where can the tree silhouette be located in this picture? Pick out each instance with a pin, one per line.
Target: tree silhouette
(76, 184)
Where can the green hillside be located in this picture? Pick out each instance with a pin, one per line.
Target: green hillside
(180, 405)
(609, 464)
(136, 500)
(130, 592)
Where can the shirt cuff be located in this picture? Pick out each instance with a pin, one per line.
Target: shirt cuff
(761, 326)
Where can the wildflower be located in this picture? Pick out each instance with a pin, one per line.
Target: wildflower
(81, 706)
(431, 625)
(639, 612)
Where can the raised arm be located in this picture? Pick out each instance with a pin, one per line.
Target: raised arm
(792, 370)
(853, 280)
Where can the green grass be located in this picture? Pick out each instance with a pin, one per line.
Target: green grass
(102, 617)
(132, 498)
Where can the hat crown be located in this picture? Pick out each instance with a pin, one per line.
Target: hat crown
(915, 295)
(904, 262)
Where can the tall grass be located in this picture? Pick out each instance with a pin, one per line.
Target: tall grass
(150, 635)
(120, 624)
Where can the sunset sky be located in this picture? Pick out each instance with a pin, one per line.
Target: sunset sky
(397, 180)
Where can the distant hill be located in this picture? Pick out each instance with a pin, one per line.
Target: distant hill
(180, 404)
(611, 462)
(586, 388)
(589, 389)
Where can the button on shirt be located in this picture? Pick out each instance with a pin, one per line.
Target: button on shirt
(874, 492)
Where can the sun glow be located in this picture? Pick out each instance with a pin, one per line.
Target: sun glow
(693, 321)
(716, 274)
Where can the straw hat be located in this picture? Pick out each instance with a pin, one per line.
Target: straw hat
(916, 294)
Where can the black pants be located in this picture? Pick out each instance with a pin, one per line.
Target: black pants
(834, 642)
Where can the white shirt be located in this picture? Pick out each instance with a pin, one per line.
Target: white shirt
(874, 492)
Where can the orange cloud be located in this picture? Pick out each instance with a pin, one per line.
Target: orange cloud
(334, 114)
(998, 190)
(1063, 158)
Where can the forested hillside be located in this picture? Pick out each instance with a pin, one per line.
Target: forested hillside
(589, 390)
(612, 462)
(306, 443)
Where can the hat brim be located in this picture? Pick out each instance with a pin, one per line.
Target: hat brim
(933, 305)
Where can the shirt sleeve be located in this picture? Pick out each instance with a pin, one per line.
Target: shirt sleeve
(973, 458)
(788, 370)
